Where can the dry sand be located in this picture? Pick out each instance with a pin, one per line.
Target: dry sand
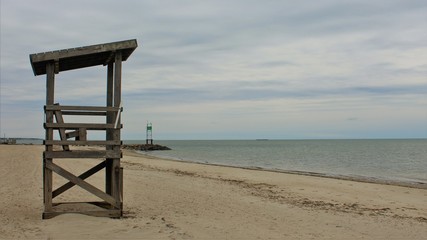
(174, 200)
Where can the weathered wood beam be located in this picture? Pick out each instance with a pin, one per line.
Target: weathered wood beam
(102, 204)
(56, 70)
(47, 173)
(112, 213)
(109, 120)
(121, 186)
(82, 134)
(50, 84)
(86, 50)
(81, 183)
(118, 79)
(72, 134)
(81, 108)
(79, 134)
(110, 58)
(84, 154)
(117, 102)
(76, 126)
(82, 176)
(62, 134)
(84, 113)
(82, 143)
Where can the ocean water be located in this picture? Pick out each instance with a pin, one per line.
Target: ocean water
(402, 160)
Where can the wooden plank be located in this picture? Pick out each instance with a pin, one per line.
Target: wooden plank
(86, 186)
(82, 134)
(118, 116)
(121, 187)
(118, 79)
(84, 154)
(110, 84)
(115, 179)
(86, 50)
(117, 102)
(76, 126)
(80, 108)
(47, 185)
(82, 143)
(72, 134)
(84, 113)
(50, 84)
(47, 173)
(82, 176)
(81, 57)
(109, 176)
(112, 213)
(62, 134)
(101, 204)
(109, 120)
(110, 58)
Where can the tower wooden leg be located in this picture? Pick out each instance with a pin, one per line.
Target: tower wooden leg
(47, 187)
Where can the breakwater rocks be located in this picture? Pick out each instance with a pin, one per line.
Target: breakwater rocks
(145, 147)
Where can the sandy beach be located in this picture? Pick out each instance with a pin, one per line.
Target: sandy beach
(166, 199)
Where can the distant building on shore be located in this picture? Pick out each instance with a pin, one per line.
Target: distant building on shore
(8, 140)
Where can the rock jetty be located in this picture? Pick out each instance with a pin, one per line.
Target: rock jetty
(145, 147)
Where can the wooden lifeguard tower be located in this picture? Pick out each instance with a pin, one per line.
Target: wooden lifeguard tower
(75, 134)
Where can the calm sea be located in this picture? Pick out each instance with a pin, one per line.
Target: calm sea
(389, 160)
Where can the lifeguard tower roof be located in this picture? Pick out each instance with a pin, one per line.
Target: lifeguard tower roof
(81, 57)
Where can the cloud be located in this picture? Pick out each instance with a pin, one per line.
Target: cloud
(310, 65)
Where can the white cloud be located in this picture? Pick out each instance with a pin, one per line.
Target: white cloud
(302, 68)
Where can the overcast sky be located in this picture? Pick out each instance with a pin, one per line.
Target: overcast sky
(229, 69)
